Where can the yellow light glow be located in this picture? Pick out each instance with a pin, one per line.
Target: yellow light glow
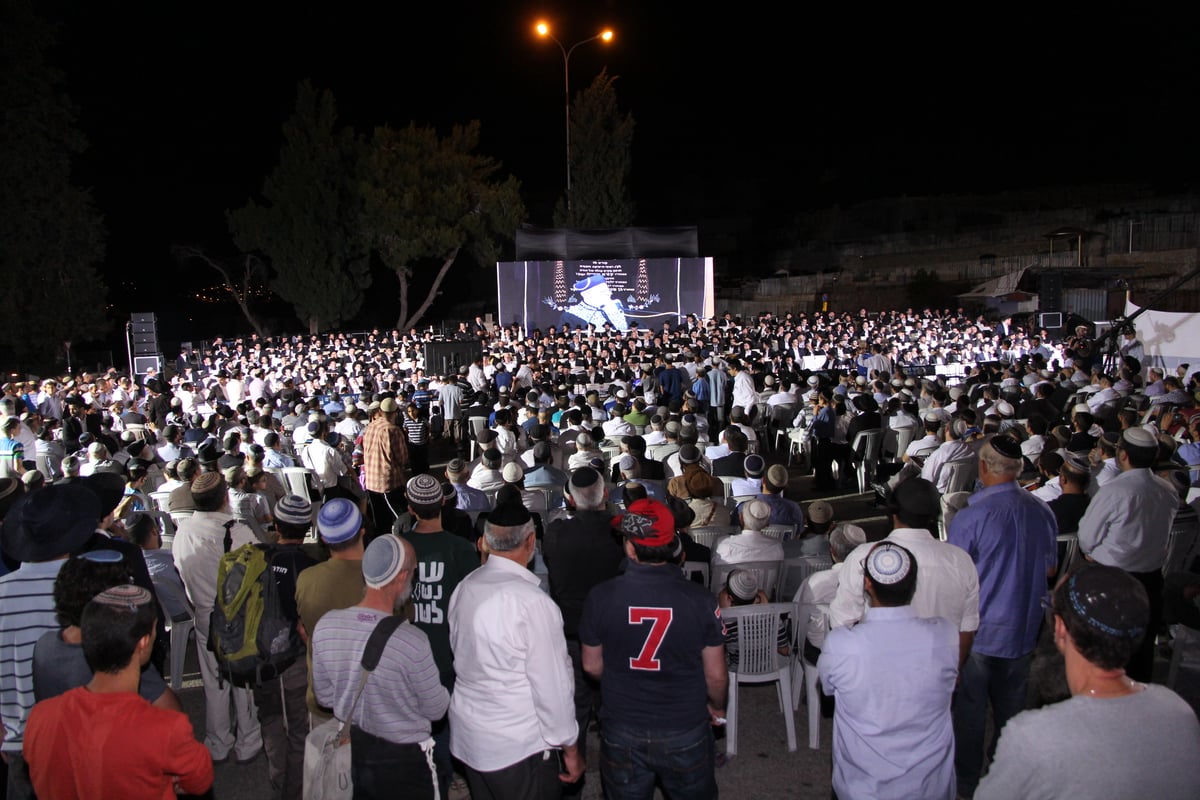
(607, 35)
(542, 29)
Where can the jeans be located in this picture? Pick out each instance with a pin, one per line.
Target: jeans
(683, 760)
(1001, 681)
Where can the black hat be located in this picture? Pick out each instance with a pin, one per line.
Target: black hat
(917, 497)
(108, 488)
(50, 522)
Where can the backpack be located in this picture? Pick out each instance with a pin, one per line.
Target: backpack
(248, 634)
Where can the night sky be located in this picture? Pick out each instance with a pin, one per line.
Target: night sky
(740, 110)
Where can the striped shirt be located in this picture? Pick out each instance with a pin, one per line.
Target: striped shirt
(401, 697)
(26, 612)
(417, 431)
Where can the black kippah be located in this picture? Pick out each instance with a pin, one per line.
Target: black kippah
(509, 515)
(584, 477)
(1006, 446)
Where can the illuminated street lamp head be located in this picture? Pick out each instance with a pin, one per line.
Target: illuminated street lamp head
(606, 35)
(542, 29)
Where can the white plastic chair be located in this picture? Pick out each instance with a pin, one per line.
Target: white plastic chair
(1181, 541)
(709, 535)
(781, 532)
(1072, 542)
(759, 661)
(180, 631)
(765, 572)
(951, 504)
(870, 442)
(701, 568)
(1183, 640)
(961, 475)
(804, 674)
(795, 570)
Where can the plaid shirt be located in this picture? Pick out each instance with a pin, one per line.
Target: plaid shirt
(385, 455)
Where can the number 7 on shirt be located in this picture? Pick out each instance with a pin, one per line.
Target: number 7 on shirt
(660, 619)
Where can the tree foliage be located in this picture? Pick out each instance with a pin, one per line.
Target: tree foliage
(428, 198)
(601, 138)
(52, 236)
(307, 225)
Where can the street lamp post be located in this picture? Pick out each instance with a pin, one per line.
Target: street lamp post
(543, 30)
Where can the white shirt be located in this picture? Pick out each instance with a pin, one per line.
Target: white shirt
(949, 451)
(744, 395)
(818, 589)
(947, 581)
(748, 546)
(515, 689)
(198, 547)
(325, 463)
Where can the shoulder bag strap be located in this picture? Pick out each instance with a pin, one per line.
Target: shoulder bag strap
(229, 534)
(371, 655)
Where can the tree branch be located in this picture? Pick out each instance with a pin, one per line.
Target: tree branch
(437, 282)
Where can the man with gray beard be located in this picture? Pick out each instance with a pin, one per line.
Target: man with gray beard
(391, 722)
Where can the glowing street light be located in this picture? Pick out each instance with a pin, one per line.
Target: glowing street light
(543, 30)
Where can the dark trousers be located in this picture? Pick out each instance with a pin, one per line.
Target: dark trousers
(19, 785)
(587, 694)
(823, 456)
(1141, 664)
(385, 508)
(383, 770)
(283, 715)
(533, 778)
(418, 458)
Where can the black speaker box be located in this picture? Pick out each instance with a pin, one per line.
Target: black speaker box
(444, 358)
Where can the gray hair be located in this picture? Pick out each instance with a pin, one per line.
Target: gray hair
(844, 538)
(506, 538)
(588, 498)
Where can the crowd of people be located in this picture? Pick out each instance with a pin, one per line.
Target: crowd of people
(528, 513)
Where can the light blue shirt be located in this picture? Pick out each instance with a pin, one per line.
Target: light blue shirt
(1012, 537)
(1128, 522)
(893, 676)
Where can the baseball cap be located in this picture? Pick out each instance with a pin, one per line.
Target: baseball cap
(647, 522)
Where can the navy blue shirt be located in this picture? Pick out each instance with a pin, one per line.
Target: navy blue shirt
(652, 624)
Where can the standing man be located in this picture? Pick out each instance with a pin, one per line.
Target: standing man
(893, 677)
(512, 714)
(443, 560)
(1127, 525)
(385, 457)
(1012, 538)
(200, 542)
(949, 584)
(390, 724)
(744, 395)
(332, 584)
(581, 551)
(656, 643)
(1115, 737)
(41, 530)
